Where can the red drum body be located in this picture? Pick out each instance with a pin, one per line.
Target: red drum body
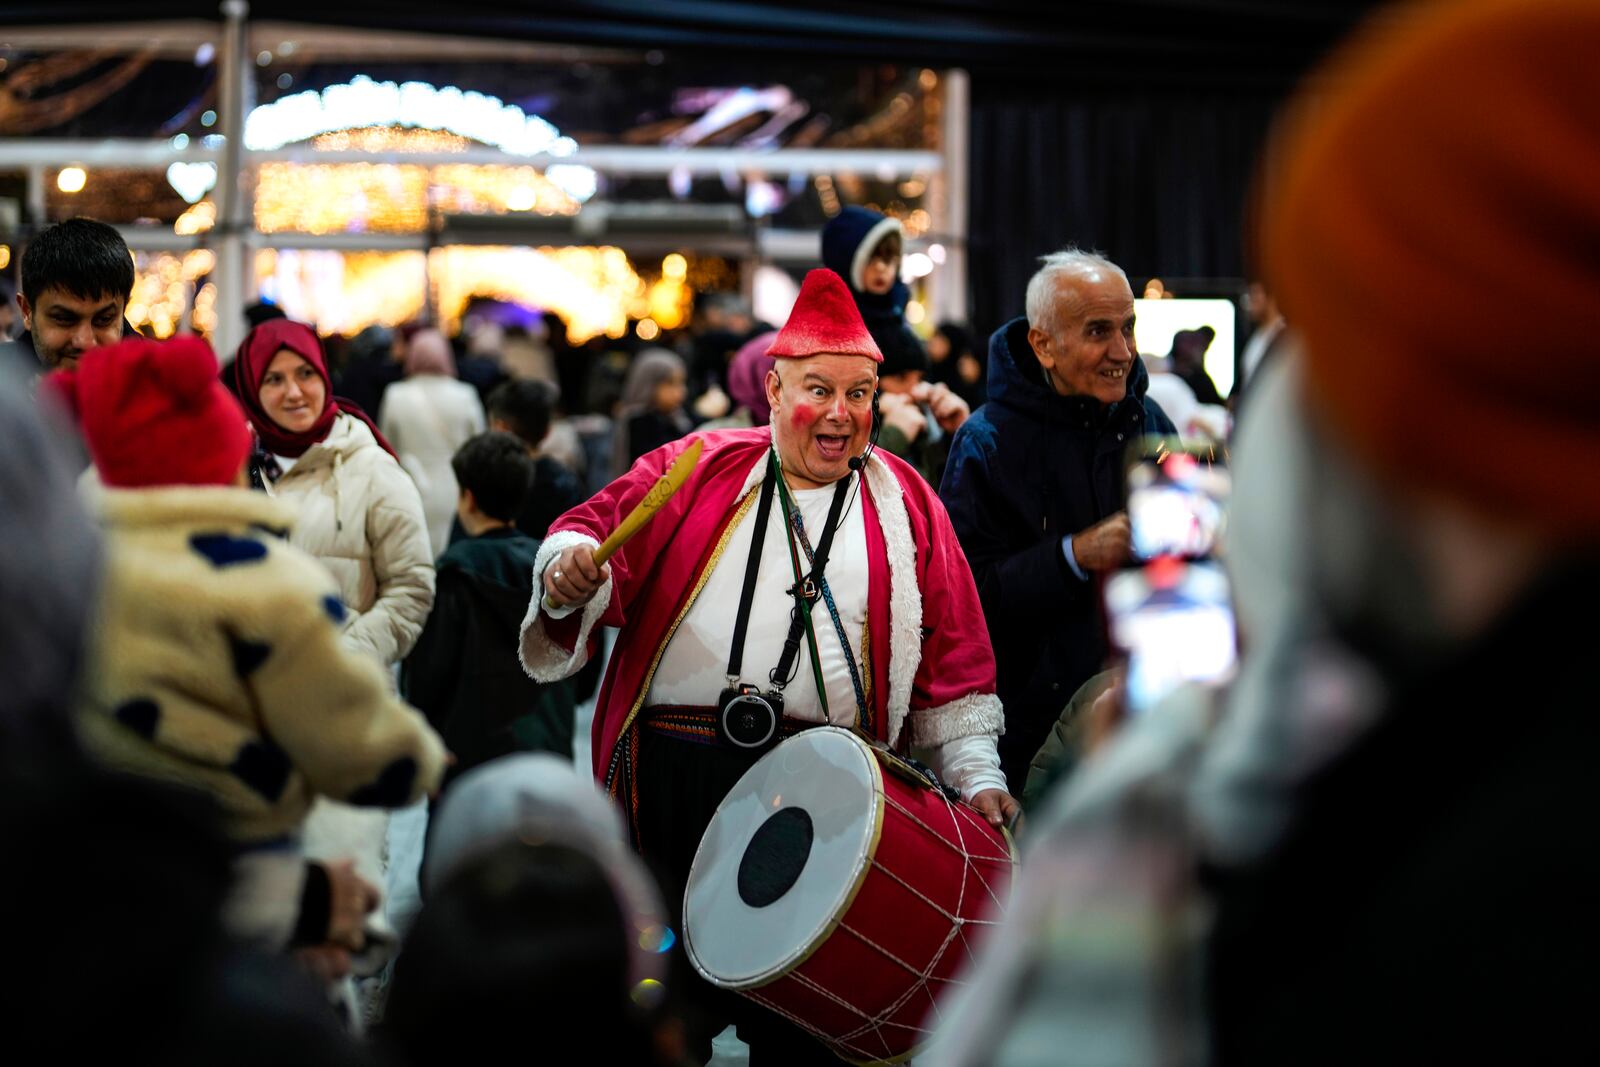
(837, 888)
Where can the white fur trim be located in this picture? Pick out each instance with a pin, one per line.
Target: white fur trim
(758, 471)
(973, 715)
(543, 658)
(905, 596)
(863, 254)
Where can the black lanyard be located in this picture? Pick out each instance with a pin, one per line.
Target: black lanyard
(779, 675)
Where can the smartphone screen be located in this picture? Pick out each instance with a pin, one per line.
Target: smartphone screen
(1177, 506)
(1173, 621)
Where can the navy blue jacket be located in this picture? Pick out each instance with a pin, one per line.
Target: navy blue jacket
(464, 674)
(1028, 468)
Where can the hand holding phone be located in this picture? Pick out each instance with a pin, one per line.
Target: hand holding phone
(1105, 545)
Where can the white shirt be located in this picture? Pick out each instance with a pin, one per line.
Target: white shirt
(694, 668)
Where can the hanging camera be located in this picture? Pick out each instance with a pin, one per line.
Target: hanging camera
(748, 718)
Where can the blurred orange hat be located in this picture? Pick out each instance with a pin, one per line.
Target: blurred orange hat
(1434, 236)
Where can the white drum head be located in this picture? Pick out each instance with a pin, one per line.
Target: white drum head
(783, 858)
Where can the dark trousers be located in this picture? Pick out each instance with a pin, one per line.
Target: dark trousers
(680, 785)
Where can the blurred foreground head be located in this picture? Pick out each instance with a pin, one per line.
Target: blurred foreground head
(154, 413)
(540, 925)
(1434, 234)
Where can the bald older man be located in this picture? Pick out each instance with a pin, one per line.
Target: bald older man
(1033, 486)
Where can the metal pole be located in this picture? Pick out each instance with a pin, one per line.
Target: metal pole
(54, 152)
(950, 299)
(235, 266)
(36, 195)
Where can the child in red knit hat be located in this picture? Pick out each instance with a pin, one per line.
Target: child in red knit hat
(217, 655)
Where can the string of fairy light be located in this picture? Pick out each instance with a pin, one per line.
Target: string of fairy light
(596, 290)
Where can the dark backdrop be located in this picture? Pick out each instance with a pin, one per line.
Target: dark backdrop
(1156, 181)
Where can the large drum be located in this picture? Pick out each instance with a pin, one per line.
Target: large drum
(840, 889)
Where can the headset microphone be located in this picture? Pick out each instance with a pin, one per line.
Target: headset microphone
(856, 463)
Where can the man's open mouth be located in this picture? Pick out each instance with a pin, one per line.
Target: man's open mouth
(832, 446)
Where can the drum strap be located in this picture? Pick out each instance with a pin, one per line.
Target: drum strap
(806, 588)
(804, 592)
(752, 569)
(863, 709)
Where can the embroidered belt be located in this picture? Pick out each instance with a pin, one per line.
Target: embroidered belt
(698, 723)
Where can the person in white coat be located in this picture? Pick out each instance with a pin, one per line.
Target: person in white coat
(428, 416)
(358, 512)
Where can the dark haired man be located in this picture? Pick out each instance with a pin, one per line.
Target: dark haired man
(464, 674)
(76, 280)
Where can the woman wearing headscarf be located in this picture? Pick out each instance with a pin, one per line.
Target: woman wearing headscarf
(357, 511)
(650, 413)
(428, 416)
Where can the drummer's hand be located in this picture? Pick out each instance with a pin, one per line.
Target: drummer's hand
(574, 578)
(996, 805)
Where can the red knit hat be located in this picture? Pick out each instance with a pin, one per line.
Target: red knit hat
(1432, 238)
(154, 413)
(824, 322)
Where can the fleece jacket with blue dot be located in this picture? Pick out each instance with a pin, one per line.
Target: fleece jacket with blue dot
(217, 662)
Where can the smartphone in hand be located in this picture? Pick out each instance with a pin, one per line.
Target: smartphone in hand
(1170, 613)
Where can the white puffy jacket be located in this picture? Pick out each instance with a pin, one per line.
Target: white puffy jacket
(358, 512)
(427, 418)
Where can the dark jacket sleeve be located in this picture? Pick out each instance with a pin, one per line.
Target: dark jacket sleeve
(1014, 574)
(428, 675)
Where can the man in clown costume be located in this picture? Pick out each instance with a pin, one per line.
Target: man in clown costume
(895, 645)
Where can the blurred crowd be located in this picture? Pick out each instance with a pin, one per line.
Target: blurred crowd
(253, 606)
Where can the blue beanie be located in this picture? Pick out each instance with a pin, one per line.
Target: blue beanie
(849, 238)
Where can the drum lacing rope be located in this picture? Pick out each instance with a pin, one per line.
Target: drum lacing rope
(914, 891)
(810, 1029)
(957, 923)
(875, 1024)
(961, 851)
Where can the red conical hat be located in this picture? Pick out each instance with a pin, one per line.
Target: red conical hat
(825, 322)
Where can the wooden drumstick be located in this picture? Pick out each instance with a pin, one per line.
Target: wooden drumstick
(646, 509)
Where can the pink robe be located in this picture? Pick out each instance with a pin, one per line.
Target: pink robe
(932, 674)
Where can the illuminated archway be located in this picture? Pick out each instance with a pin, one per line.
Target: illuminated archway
(363, 102)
